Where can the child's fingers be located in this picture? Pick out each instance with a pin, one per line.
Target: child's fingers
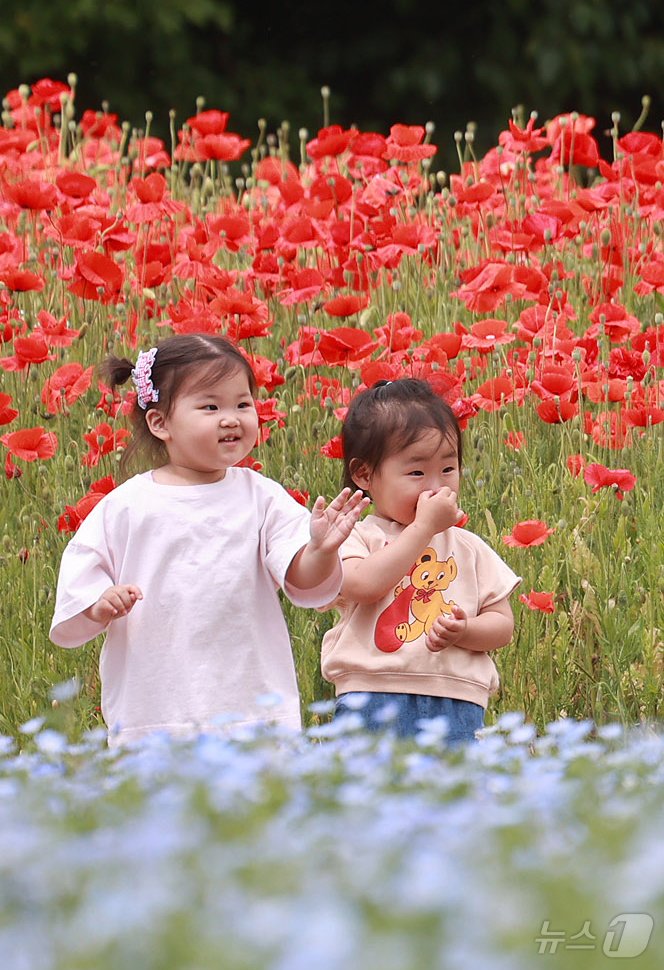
(121, 599)
(341, 499)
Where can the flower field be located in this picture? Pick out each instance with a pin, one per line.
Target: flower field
(281, 853)
(528, 287)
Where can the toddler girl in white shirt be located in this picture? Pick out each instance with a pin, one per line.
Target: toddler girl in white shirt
(180, 566)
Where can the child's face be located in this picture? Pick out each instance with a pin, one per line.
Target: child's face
(426, 464)
(210, 428)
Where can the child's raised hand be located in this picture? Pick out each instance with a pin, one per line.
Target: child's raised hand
(447, 630)
(113, 603)
(332, 524)
(437, 511)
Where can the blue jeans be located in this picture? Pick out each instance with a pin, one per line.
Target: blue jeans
(402, 712)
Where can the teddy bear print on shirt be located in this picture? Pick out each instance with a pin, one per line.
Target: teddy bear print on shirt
(416, 606)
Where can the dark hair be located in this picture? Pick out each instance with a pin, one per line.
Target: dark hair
(388, 417)
(179, 359)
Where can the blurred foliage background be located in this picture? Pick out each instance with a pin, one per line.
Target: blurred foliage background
(384, 60)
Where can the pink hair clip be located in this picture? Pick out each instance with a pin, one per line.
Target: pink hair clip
(141, 375)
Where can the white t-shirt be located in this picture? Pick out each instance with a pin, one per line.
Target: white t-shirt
(209, 640)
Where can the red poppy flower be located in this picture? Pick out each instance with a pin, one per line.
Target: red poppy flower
(575, 148)
(576, 464)
(531, 532)
(75, 185)
(599, 476)
(275, 170)
(7, 413)
(211, 122)
(56, 333)
(11, 470)
(345, 306)
(48, 92)
(345, 344)
(330, 141)
(251, 463)
(31, 194)
(398, 332)
(222, 148)
(528, 139)
(599, 389)
(267, 411)
(249, 317)
(538, 601)
(613, 320)
(303, 352)
(448, 343)
(98, 277)
(485, 335)
(297, 231)
(608, 429)
(74, 229)
(65, 386)
(515, 440)
(556, 412)
(627, 363)
(643, 417)
(303, 285)
(73, 515)
(29, 350)
(233, 231)
(22, 280)
(333, 448)
(555, 382)
(484, 288)
(266, 371)
(31, 444)
(652, 277)
(494, 394)
(405, 144)
(301, 497)
(96, 124)
(471, 195)
(103, 440)
(464, 409)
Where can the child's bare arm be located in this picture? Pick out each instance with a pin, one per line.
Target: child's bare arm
(330, 526)
(490, 629)
(113, 603)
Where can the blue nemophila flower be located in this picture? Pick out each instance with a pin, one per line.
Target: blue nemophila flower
(33, 725)
(65, 691)
(272, 850)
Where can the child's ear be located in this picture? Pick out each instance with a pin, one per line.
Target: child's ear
(360, 474)
(155, 421)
